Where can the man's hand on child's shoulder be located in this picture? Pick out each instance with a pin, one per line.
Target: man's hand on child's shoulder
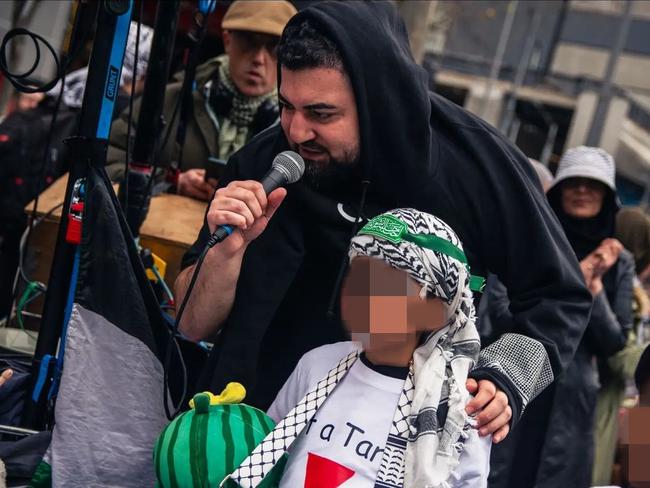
(490, 409)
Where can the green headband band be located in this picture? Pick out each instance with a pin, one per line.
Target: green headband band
(394, 230)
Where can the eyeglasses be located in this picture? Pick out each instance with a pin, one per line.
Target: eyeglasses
(253, 42)
(577, 182)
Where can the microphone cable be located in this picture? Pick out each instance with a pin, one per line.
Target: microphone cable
(162, 142)
(173, 341)
(286, 168)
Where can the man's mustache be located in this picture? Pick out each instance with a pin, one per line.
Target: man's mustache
(312, 146)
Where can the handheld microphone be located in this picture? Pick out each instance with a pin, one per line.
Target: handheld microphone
(287, 168)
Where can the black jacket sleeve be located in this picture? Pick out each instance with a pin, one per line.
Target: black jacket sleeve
(606, 332)
(622, 304)
(509, 229)
(604, 335)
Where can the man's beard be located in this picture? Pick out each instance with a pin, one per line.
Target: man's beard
(335, 175)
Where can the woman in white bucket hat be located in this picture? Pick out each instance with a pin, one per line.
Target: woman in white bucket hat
(553, 444)
(585, 185)
(583, 196)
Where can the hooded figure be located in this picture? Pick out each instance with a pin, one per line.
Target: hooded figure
(415, 149)
(416, 423)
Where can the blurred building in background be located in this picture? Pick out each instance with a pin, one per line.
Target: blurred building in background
(551, 74)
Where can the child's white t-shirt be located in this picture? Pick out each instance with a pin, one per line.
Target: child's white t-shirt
(343, 444)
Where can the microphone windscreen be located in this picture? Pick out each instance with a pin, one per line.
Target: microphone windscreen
(291, 164)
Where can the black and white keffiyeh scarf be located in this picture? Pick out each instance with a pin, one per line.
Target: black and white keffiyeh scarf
(222, 93)
(243, 108)
(430, 424)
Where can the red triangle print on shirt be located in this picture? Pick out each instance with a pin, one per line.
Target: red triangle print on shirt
(325, 473)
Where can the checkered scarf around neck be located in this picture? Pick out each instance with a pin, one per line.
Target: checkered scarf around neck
(234, 128)
(430, 425)
(243, 108)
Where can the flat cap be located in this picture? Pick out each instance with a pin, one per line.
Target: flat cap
(263, 16)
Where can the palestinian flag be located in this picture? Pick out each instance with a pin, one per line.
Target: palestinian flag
(109, 410)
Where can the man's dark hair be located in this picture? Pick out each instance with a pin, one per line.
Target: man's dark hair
(304, 46)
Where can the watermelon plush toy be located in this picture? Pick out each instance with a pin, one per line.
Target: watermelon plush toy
(207, 443)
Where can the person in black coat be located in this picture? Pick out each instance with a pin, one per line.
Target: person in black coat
(357, 108)
(553, 444)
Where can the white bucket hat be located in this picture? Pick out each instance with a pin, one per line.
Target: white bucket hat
(587, 162)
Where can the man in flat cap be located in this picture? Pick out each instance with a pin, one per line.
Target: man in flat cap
(235, 98)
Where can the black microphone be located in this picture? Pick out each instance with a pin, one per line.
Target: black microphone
(287, 168)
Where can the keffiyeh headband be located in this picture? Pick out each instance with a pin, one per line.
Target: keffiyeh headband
(411, 226)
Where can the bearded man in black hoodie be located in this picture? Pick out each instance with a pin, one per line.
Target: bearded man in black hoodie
(356, 107)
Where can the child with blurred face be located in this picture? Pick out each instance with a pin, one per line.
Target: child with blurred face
(383, 310)
(388, 407)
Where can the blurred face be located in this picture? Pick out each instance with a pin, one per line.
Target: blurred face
(319, 117)
(382, 303)
(582, 198)
(253, 62)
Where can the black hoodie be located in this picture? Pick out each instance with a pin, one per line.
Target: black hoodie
(417, 150)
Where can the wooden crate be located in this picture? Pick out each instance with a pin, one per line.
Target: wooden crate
(171, 226)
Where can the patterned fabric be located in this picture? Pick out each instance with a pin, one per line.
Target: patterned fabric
(529, 378)
(430, 423)
(255, 467)
(233, 130)
(439, 274)
(393, 462)
(243, 108)
(73, 90)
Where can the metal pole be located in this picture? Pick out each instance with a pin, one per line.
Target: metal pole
(89, 147)
(547, 150)
(555, 40)
(598, 121)
(134, 192)
(522, 69)
(498, 57)
(150, 124)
